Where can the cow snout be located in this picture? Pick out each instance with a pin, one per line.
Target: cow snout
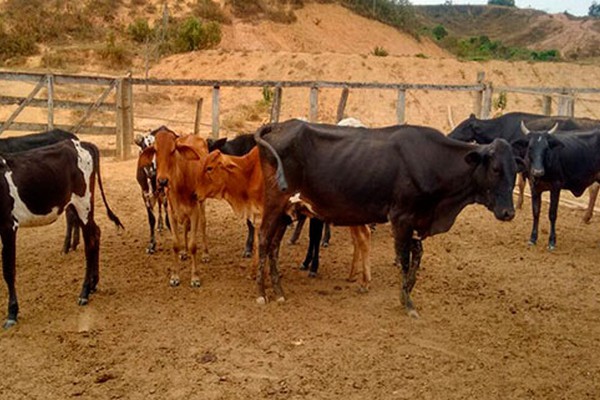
(162, 183)
(506, 214)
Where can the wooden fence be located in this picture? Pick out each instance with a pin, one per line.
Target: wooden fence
(124, 100)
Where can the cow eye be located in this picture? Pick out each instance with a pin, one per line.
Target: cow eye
(209, 169)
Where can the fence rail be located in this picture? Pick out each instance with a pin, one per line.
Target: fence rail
(123, 105)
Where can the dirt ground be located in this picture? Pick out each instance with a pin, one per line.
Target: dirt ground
(498, 319)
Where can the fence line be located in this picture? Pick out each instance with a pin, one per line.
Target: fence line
(483, 90)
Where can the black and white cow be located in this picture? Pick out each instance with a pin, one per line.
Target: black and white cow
(34, 141)
(37, 186)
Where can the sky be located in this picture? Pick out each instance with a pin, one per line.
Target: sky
(575, 7)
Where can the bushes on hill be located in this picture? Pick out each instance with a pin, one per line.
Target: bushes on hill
(398, 13)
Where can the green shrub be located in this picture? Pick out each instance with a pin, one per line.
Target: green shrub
(507, 3)
(439, 32)
(12, 45)
(380, 52)
(140, 31)
(398, 13)
(211, 11)
(193, 35)
(115, 54)
(500, 102)
(53, 60)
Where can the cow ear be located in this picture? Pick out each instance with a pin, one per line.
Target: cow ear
(215, 144)
(474, 158)
(187, 151)
(139, 139)
(212, 161)
(521, 167)
(146, 156)
(554, 143)
(519, 146)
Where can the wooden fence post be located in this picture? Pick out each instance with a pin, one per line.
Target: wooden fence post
(215, 112)
(547, 105)
(478, 95)
(342, 105)
(50, 102)
(198, 115)
(313, 114)
(276, 106)
(566, 105)
(124, 117)
(401, 107)
(486, 106)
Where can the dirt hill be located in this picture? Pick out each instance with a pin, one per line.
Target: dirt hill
(574, 37)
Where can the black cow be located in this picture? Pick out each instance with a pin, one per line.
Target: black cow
(41, 139)
(508, 126)
(35, 188)
(414, 177)
(569, 160)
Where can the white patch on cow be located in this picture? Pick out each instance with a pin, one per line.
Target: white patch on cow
(540, 139)
(297, 200)
(350, 121)
(85, 163)
(21, 213)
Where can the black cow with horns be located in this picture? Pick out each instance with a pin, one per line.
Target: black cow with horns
(413, 176)
(37, 186)
(558, 160)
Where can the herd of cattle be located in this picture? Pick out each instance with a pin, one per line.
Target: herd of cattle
(414, 177)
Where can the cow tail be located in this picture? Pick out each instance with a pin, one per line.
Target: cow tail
(279, 174)
(109, 212)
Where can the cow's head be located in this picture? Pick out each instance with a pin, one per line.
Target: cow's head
(213, 179)
(495, 172)
(168, 149)
(467, 130)
(537, 148)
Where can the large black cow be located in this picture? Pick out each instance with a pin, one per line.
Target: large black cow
(41, 139)
(412, 176)
(569, 160)
(35, 188)
(508, 126)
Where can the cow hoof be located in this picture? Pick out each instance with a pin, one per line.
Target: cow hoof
(247, 254)
(531, 243)
(551, 247)
(303, 267)
(312, 274)
(183, 256)
(363, 289)
(325, 244)
(280, 299)
(195, 283)
(9, 323)
(412, 313)
(82, 301)
(261, 300)
(174, 282)
(205, 258)
(150, 250)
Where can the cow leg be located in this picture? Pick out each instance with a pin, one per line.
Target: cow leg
(361, 239)
(202, 229)
(160, 227)
(151, 248)
(249, 240)
(536, 204)
(91, 239)
(254, 249)
(416, 250)
(298, 229)
(174, 272)
(315, 230)
(402, 246)
(552, 214)
(193, 247)
(9, 255)
(593, 194)
(274, 258)
(521, 186)
(269, 231)
(326, 236)
(72, 234)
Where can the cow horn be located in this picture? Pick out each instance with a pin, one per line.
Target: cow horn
(553, 129)
(524, 128)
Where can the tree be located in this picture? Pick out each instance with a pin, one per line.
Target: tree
(594, 10)
(507, 3)
(439, 32)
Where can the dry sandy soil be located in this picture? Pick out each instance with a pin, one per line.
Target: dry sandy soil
(498, 319)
